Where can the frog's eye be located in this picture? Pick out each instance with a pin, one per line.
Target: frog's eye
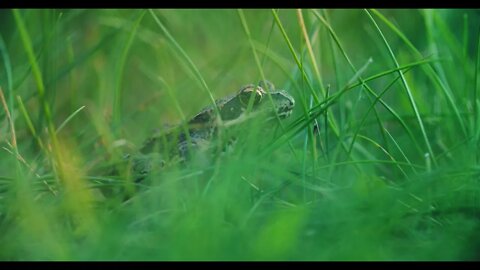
(246, 93)
(266, 85)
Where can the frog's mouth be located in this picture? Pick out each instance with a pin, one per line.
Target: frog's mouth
(284, 111)
(285, 104)
(282, 107)
(285, 108)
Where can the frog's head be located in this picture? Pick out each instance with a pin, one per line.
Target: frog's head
(281, 102)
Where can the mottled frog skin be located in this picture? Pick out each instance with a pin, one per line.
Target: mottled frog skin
(173, 143)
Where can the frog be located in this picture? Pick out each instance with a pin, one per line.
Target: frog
(174, 144)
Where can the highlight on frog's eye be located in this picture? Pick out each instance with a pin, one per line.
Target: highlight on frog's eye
(239, 134)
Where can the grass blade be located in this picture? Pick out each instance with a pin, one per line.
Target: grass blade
(362, 82)
(476, 125)
(69, 118)
(117, 102)
(428, 69)
(8, 71)
(407, 88)
(185, 58)
(27, 44)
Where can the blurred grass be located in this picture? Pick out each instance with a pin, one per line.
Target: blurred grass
(378, 162)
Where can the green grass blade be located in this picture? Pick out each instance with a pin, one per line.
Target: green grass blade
(394, 161)
(362, 82)
(82, 57)
(428, 69)
(29, 122)
(257, 62)
(69, 118)
(185, 58)
(311, 54)
(117, 94)
(332, 121)
(294, 55)
(27, 43)
(297, 125)
(372, 161)
(260, 69)
(370, 108)
(476, 125)
(465, 35)
(407, 88)
(400, 150)
(8, 71)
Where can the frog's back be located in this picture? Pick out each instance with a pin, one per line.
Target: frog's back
(175, 141)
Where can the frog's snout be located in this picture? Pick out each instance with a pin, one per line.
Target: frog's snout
(285, 109)
(284, 112)
(291, 103)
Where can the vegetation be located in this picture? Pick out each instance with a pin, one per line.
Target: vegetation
(379, 160)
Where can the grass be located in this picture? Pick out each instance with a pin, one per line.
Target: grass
(379, 160)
